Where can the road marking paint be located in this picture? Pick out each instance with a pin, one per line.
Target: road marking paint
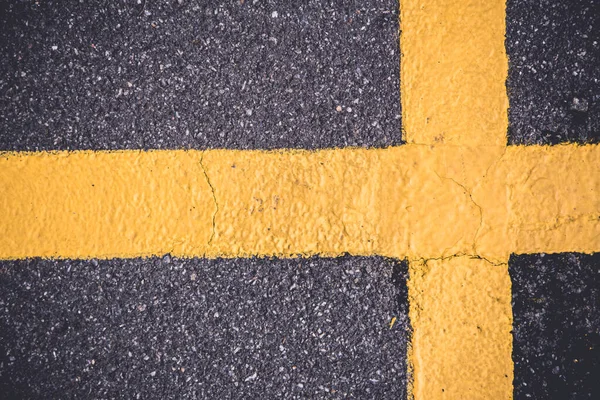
(406, 202)
(461, 344)
(453, 72)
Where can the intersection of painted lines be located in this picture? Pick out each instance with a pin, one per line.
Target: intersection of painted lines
(454, 201)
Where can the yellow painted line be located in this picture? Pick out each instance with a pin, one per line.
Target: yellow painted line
(460, 309)
(410, 201)
(453, 72)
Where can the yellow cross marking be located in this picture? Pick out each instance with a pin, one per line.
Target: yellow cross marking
(455, 201)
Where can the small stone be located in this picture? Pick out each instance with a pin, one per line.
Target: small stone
(193, 276)
(153, 373)
(338, 109)
(167, 259)
(141, 307)
(580, 105)
(274, 14)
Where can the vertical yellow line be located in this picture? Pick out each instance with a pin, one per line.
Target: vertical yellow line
(453, 72)
(460, 309)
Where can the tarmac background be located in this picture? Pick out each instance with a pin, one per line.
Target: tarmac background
(220, 329)
(556, 309)
(554, 71)
(264, 75)
(199, 74)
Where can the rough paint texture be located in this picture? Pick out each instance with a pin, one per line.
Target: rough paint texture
(460, 312)
(453, 70)
(363, 202)
(556, 308)
(203, 329)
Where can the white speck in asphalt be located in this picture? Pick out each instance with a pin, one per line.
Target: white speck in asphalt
(251, 377)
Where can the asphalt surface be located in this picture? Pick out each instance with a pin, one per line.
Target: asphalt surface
(195, 74)
(264, 74)
(199, 74)
(554, 71)
(556, 310)
(217, 329)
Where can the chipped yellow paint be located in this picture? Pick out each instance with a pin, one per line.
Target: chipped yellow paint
(411, 201)
(453, 72)
(392, 322)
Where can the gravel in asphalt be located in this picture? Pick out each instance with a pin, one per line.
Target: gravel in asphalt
(166, 328)
(199, 74)
(554, 71)
(556, 310)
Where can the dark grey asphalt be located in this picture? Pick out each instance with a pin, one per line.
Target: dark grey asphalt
(199, 74)
(554, 71)
(556, 309)
(263, 74)
(215, 329)
(554, 94)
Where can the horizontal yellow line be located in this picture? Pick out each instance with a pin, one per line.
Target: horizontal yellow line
(410, 201)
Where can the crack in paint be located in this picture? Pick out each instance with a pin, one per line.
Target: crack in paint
(212, 189)
(424, 261)
(468, 192)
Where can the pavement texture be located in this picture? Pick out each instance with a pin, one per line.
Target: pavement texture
(198, 328)
(188, 74)
(556, 310)
(262, 75)
(197, 74)
(554, 71)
